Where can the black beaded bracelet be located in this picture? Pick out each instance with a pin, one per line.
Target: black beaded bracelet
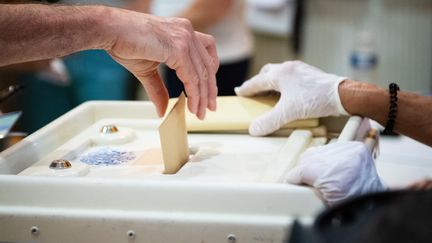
(393, 89)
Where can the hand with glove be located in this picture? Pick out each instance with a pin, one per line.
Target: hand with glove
(306, 92)
(338, 171)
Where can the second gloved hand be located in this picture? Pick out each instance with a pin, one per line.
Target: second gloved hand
(306, 92)
(338, 171)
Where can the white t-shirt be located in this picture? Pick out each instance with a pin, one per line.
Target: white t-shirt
(234, 40)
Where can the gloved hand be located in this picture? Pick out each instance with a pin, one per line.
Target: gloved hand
(306, 92)
(338, 171)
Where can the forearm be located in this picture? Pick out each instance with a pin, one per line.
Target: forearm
(414, 115)
(205, 13)
(35, 31)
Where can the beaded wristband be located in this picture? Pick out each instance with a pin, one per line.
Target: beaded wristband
(393, 89)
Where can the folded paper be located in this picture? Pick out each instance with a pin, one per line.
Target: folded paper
(235, 113)
(173, 137)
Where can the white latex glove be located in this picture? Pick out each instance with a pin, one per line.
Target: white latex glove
(306, 92)
(338, 171)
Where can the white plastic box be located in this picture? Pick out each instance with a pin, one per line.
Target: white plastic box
(218, 197)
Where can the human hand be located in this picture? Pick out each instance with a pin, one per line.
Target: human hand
(425, 184)
(338, 171)
(145, 41)
(306, 92)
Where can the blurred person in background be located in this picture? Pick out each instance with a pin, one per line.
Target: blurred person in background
(226, 21)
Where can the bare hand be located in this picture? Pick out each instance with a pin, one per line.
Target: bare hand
(145, 41)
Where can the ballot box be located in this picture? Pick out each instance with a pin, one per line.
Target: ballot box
(96, 175)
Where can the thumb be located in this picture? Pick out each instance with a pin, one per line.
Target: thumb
(156, 90)
(255, 85)
(271, 120)
(303, 174)
(294, 176)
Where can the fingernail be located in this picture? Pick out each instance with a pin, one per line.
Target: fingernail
(212, 105)
(194, 108)
(201, 115)
(160, 113)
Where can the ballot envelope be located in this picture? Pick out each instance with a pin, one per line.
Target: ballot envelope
(96, 175)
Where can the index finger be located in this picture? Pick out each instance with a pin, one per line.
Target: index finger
(257, 84)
